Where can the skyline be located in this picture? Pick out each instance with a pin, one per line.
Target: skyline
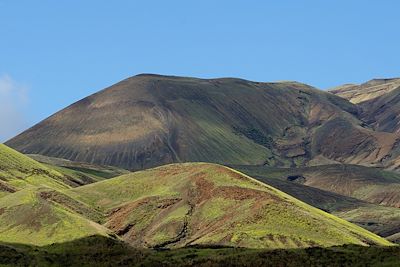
(58, 53)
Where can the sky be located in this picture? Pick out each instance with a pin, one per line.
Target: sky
(53, 53)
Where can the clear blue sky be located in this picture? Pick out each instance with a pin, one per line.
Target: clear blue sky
(53, 53)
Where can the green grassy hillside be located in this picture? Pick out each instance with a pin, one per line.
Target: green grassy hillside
(198, 203)
(18, 171)
(171, 206)
(32, 216)
(365, 196)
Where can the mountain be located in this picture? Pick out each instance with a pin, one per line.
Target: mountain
(372, 89)
(383, 112)
(379, 102)
(151, 120)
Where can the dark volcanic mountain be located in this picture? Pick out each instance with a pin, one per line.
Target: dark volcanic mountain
(150, 120)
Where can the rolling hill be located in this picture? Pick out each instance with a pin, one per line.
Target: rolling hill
(151, 120)
(32, 208)
(364, 196)
(170, 206)
(18, 171)
(201, 204)
(32, 216)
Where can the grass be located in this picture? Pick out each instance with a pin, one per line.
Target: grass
(228, 208)
(20, 171)
(29, 218)
(79, 169)
(99, 251)
(366, 196)
(171, 206)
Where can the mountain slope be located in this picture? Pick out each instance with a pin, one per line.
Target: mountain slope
(383, 112)
(366, 91)
(367, 184)
(379, 101)
(151, 120)
(199, 203)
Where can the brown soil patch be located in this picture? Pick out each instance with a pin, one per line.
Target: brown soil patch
(5, 187)
(203, 188)
(118, 217)
(239, 193)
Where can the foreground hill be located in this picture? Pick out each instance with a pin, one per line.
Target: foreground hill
(33, 216)
(201, 204)
(150, 120)
(176, 205)
(368, 197)
(18, 171)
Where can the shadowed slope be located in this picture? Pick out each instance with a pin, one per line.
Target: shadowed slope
(368, 184)
(85, 172)
(188, 204)
(100, 251)
(383, 112)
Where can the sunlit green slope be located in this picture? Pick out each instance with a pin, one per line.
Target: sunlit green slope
(31, 216)
(200, 204)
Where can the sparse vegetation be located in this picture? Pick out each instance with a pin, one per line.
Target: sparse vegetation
(99, 251)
